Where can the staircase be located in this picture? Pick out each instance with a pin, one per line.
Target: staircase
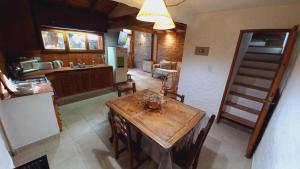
(250, 86)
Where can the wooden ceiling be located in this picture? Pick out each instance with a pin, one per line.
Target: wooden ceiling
(95, 6)
(105, 7)
(130, 22)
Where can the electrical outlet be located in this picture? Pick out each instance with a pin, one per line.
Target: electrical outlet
(202, 51)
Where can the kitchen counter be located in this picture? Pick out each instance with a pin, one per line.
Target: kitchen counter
(68, 81)
(27, 88)
(40, 73)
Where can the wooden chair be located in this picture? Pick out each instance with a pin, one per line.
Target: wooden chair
(7, 86)
(121, 88)
(121, 131)
(174, 95)
(187, 158)
(126, 88)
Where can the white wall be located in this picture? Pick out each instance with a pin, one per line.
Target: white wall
(29, 119)
(203, 78)
(280, 146)
(5, 159)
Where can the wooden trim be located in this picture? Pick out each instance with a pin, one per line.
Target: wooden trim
(252, 86)
(258, 68)
(265, 30)
(152, 46)
(263, 53)
(264, 61)
(255, 76)
(57, 114)
(229, 78)
(243, 108)
(46, 27)
(253, 98)
(73, 51)
(253, 141)
(239, 120)
(66, 41)
(132, 47)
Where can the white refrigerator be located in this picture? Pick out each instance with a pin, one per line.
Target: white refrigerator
(118, 59)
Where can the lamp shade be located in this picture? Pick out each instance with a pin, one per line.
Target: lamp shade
(164, 25)
(154, 11)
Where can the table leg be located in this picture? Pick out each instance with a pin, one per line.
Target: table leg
(111, 138)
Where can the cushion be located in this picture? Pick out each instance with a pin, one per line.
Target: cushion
(165, 64)
(173, 65)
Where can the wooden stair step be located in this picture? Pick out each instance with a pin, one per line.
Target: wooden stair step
(258, 60)
(259, 68)
(237, 119)
(255, 76)
(241, 107)
(252, 86)
(263, 53)
(247, 96)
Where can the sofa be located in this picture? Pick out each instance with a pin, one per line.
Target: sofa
(164, 67)
(169, 71)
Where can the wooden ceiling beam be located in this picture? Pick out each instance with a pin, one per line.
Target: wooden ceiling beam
(130, 22)
(92, 5)
(114, 6)
(127, 21)
(66, 3)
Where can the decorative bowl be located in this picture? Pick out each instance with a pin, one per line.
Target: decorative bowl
(152, 102)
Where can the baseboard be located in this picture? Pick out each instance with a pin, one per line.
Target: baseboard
(84, 96)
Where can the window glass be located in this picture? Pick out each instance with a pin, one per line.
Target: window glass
(53, 40)
(76, 41)
(93, 41)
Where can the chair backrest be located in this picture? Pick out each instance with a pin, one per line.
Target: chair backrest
(197, 146)
(7, 84)
(120, 125)
(126, 88)
(174, 95)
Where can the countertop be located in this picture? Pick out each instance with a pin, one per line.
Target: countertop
(40, 73)
(36, 89)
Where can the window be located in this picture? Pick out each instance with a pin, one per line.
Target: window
(76, 41)
(71, 40)
(53, 40)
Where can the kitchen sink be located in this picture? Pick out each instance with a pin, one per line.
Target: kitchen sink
(82, 66)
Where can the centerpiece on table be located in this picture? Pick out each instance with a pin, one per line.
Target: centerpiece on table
(152, 102)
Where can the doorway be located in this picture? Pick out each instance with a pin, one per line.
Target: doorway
(256, 72)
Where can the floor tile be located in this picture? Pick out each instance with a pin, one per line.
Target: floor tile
(63, 152)
(84, 143)
(73, 163)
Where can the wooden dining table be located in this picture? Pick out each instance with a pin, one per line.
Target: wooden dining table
(165, 126)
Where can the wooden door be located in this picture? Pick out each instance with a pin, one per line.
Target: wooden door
(253, 141)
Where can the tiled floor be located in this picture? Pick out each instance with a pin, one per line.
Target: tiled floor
(83, 144)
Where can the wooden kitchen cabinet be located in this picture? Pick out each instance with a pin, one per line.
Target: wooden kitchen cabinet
(76, 81)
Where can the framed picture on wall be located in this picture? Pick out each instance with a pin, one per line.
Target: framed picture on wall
(76, 41)
(94, 41)
(53, 40)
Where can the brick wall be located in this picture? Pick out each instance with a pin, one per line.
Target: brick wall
(142, 48)
(170, 46)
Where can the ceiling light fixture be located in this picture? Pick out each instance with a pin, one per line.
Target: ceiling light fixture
(154, 11)
(164, 25)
